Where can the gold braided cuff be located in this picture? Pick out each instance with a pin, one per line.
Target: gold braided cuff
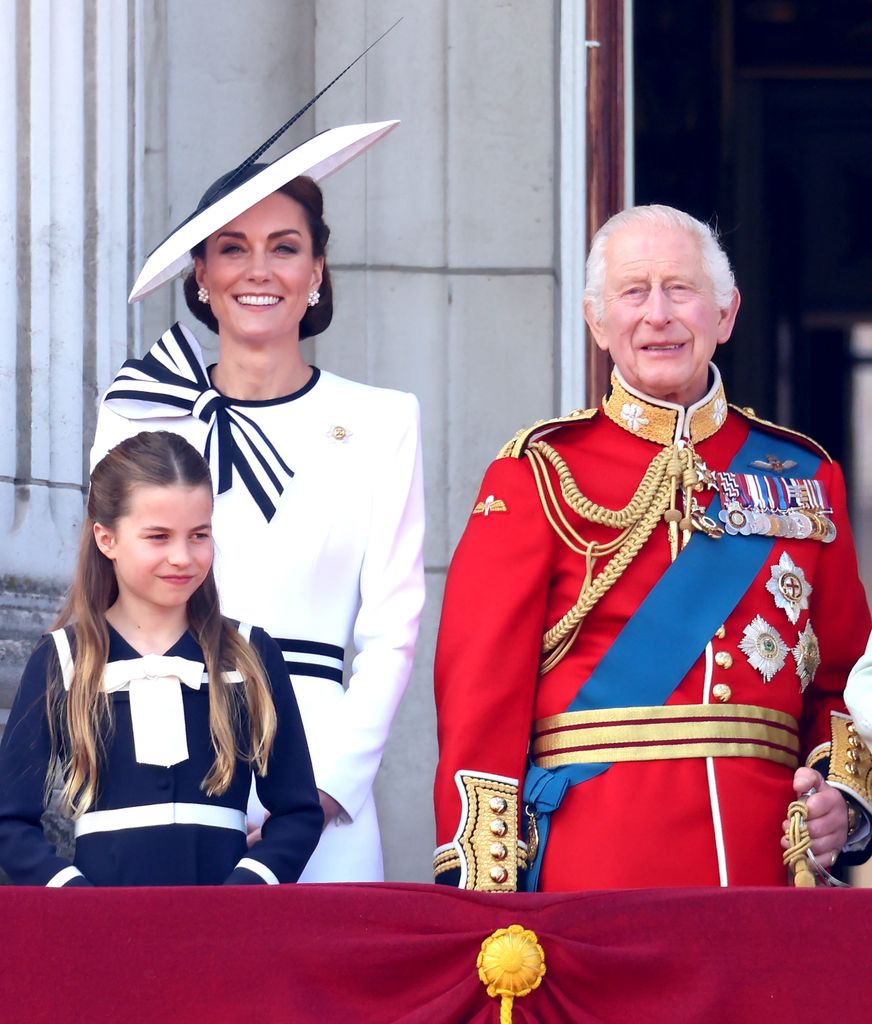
(487, 846)
(448, 859)
(850, 761)
(821, 753)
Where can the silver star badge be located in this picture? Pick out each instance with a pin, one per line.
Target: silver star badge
(807, 654)
(764, 648)
(789, 587)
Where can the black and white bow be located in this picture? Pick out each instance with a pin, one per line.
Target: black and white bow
(171, 380)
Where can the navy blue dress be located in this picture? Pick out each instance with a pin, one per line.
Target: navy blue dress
(162, 828)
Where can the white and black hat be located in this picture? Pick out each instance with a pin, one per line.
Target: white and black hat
(238, 190)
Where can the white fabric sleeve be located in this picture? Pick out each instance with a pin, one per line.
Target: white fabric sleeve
(386, 626)
(111, 429)
(858, 695)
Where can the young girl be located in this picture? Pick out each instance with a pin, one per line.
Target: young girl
(150, 707)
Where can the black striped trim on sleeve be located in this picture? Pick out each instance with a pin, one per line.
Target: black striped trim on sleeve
(312, 658)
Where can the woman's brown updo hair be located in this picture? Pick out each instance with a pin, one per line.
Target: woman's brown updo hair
(304, 191)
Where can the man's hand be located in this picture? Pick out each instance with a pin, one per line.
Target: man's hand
(827, 816)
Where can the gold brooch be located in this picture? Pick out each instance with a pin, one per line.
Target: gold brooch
(807, 656)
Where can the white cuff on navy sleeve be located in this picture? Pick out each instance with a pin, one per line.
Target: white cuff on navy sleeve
(250, 864)
(63, 876)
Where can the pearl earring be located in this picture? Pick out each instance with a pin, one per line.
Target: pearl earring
(314, 296)
(203, 295)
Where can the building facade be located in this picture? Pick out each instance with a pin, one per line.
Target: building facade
(449, 244)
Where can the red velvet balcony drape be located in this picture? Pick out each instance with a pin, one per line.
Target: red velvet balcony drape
(406, 954)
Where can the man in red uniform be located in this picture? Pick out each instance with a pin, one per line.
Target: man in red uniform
(650, 617)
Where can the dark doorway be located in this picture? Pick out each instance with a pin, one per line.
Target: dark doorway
(758, 114)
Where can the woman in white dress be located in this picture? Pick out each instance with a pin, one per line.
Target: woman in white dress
(319, 514)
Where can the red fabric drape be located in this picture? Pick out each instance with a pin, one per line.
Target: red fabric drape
(406, 954)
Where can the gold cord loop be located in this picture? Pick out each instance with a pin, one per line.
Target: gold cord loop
(671, 470)
(796, 855)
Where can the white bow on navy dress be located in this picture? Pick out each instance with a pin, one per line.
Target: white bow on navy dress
(172, 380)
(157, 712)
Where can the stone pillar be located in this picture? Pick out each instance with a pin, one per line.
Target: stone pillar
(64, 196)
(444, 255)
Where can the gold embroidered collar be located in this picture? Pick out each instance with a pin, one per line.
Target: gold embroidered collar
(664, 422)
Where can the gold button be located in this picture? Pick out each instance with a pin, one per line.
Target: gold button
(498, 875)
(851, 769)
(499, 851)
(498, 827)
(723, 659)
(851, 727)
(854, 741)
(497, 805)
(340, 433)
(721, 692)
(721, 632)
(853, 755)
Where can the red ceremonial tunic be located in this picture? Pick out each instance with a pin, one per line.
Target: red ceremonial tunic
(690, 821)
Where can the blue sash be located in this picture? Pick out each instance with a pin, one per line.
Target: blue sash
(672, 621)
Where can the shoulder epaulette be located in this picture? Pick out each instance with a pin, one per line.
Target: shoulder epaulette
(778, 430)
(516, 447)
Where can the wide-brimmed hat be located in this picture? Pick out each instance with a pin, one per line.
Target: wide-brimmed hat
(238, 191)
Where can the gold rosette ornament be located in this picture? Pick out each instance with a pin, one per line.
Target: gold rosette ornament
(511, 963)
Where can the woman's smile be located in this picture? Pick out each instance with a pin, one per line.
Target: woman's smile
(258, 300)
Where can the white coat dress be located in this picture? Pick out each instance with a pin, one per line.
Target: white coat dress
(318, 535)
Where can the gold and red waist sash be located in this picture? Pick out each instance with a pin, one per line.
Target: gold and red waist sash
(667, 732)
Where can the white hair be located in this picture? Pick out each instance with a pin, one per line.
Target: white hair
(714, 260)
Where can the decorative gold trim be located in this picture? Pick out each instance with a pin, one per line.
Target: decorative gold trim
(488, 836)
(517, 445)
(664, 712)
(445, 860)
(511, 964)
(850, 761)
(776, 428)
(671, 751)
(636, 416)
(646, 418)
(450, 860)
(489, 505)
(665, 734)
(636, 521)
(820, 753)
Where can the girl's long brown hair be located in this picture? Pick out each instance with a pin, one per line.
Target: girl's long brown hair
(161, 459)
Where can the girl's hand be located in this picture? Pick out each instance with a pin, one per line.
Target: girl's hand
(331, 808)
(827, 816)
(254, 833)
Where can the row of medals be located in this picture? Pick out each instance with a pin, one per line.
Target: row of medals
(793, 523)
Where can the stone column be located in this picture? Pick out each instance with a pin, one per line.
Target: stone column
(444, 255)
(64, 197)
